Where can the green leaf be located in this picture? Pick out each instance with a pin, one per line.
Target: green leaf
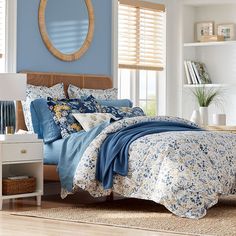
(206, 97)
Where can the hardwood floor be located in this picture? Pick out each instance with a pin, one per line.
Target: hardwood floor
(11, 225)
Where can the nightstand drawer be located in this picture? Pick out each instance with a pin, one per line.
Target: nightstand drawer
(22, 152)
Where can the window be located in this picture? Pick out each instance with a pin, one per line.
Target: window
(141, 52)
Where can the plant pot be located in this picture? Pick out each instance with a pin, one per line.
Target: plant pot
(204, 115)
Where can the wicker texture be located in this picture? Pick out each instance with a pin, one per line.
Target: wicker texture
(18, 186)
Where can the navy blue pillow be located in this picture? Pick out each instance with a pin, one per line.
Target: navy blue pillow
(116, 103)
(122, 112)
(43, 122)
(63, 110)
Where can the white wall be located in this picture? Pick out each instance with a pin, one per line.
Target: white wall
(174, 38)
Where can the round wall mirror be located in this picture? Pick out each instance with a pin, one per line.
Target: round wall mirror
(66, 27)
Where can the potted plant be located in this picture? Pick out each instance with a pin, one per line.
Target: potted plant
(205, 97)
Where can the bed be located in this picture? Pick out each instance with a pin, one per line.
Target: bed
(165, 159)
(49, 79)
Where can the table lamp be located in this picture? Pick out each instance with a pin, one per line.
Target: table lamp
(12, 88)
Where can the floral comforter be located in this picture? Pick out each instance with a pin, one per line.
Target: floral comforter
(184, 171)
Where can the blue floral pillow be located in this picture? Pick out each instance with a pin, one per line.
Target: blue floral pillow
(34, 92)
(122, 112)
(63, 109)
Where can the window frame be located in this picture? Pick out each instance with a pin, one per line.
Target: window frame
(160, 90)
(11, 37)
(162, 75)
(114, 31)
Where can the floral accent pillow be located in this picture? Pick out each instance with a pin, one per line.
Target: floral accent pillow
(34, 92)
(91, 120)
(101, 94)
(122, 112)
(63, 112)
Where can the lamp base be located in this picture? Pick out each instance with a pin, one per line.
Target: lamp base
(7, 115)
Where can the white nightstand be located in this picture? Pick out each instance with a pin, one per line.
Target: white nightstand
(20, 158)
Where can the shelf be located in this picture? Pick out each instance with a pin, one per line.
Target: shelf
(208, 85)
(202, 3)
(22, 162)
(207, 44)
(34, 194)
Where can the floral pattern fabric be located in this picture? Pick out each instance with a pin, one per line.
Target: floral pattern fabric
(63, 112)
(91, 120)
(122, 112)
(101, 94)
(185, 171)
(34, 92)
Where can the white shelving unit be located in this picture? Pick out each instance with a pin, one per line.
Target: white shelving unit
(207, 44)
(208, 85)
(219, 57)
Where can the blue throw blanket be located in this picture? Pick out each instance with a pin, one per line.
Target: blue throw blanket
(71, 152)
(113, 155)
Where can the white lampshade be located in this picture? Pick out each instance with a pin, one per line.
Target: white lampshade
(12, 86)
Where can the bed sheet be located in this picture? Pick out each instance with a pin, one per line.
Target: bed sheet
(52, 152)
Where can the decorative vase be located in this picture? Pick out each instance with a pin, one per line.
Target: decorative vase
(204, 115)
(219, 119)
(196, 118)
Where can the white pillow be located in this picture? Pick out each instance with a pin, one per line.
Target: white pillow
(34, 92)
(101, 94)
(91, 120)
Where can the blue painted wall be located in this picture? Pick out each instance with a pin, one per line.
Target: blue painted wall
(33, 55)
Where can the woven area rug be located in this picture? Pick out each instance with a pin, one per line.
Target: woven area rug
(134, 213)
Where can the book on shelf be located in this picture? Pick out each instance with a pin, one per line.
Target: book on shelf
(199, 81)
(203, 73)
(189, 80)
(196, 73)
(191, 72)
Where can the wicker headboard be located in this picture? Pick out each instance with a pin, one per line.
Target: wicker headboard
(49, 79)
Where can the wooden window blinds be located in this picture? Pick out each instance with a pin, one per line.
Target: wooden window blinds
(141, 35)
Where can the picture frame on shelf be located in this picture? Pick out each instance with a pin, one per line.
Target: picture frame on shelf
(204, 28)
(227, 30)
